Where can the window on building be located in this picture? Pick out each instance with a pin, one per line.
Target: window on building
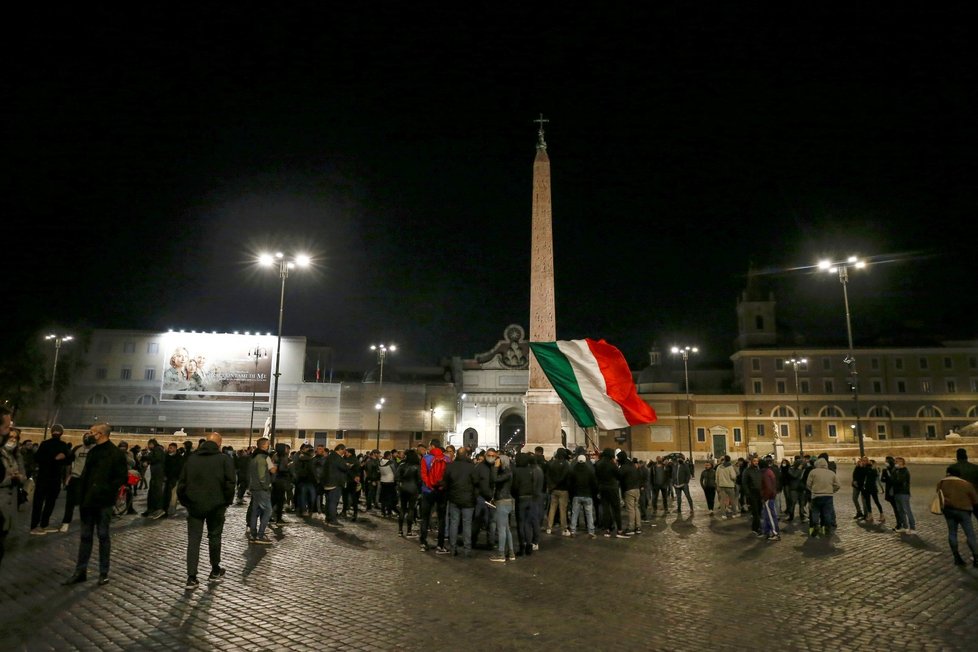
(973, 362)
(760, 430)
(783, 427)
(832, 429)
(146, 399)
(827, 363)
(153, 347)
(701, 434)
(126, 373)
(101, 373)
(898, 363)
(759, 322)
(901, 386)
(782, 387)
(905, 429)
(758, 387)
(341, 433)
(128, 346)
(973, 412)
(828, 386)
(874, 363)
(879, 412)
(929, 412)
(952, 387)
(98, 399)
(808, 430)
(149, 373)
(738, 435)
(755, 364)
(881, 431)
(803, 365)
(925, 386)
(779, 364)
(804, 386)
(782, 411)
(877, 386)
(922, 363)
(831, 411)
(931, 431)
(948, 362)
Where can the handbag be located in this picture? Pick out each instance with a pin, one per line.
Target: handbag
(937, 503)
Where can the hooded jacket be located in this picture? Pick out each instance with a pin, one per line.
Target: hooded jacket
(609, 476)
(522, 477)
(460, 482)
(726, 476)
(106, 471)
(822, 481)
(206, 480)
(386, 471)
(557, 472)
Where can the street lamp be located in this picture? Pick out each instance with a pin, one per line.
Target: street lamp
(797, 362)
(382, 351)
(259, 352)
(843, 270)
(685, 351)
(58, 340)
(284, 265)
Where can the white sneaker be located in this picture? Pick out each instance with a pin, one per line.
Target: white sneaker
(911, 532)
(548, 530)
(38, 532)
(63, 528)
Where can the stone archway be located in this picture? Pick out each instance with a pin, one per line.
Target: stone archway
(512, 431)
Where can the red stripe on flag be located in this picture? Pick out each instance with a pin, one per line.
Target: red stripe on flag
(619, 384)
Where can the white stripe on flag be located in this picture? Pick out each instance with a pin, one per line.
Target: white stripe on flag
(607, 412)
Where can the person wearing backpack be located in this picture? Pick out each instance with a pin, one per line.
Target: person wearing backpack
(433, 495)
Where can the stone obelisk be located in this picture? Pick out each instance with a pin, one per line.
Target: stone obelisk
(542, 402)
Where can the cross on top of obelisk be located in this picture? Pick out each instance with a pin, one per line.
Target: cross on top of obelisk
(541, 143)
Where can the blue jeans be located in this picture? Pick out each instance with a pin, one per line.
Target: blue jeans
(503, 509)
(588, 504)
(305, 497)
(822, 512)
(465, 514)
(262, 512)
(92, 519)
(905, 517)
(953, 518)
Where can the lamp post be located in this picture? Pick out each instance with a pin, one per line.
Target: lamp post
(382, 351)
(284, 265)
(58, 340)
(259, 352)
(685, 351)
(795, 363)
(843, 270)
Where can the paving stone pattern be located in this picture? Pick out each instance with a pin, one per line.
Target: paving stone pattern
(685, 584)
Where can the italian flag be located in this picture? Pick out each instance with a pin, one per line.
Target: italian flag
(594, 382)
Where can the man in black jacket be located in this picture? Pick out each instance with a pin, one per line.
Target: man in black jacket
(106, 471)
(334, 481)
(460, 487)
(482, 516)
(172, 468)
(154, 497)
(752, 489)
(206, 488)
(51, 458)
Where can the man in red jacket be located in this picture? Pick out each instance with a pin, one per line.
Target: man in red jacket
(769, 511)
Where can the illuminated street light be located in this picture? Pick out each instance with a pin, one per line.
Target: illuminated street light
(797, 362)
(685, 352)
(842, 268)
(58, 340)
(284, 265)
(382, 351)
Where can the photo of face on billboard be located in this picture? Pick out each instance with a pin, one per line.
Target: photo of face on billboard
(203, 367)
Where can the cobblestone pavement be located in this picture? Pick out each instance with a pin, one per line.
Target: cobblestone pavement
(685, 584)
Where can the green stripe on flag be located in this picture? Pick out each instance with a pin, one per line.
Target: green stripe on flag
(561, 375)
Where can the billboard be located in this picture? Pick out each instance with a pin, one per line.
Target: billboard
(216, 367)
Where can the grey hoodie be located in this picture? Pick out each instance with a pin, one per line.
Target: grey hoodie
(822, 481)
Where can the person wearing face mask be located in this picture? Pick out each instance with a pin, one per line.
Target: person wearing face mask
(51, 458)
(11, 475)
(76, 461)
(105, 473)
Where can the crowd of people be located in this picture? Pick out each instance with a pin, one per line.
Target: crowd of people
(451, 501)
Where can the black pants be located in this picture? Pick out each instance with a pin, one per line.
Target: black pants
(94, 519)
(195, 530)
(280, 487)
(351, 499)
(45, 495)
(154, 499)
(409, 502)
(438, 501)
(71, 499)
(711, 494)
(754, 500)
(168, 486)
(656, 492)
(388, 498)
(611, 511)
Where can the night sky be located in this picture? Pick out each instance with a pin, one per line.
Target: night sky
(151, 154)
